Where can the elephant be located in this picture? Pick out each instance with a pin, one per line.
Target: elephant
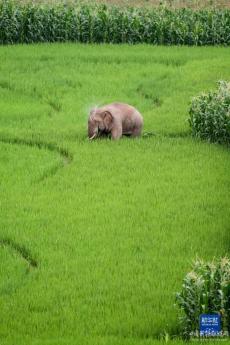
(115, 119)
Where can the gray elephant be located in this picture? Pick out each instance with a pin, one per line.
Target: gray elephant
(114, 119)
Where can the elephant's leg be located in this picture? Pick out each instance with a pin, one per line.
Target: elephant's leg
(136, 132)
(116, 132)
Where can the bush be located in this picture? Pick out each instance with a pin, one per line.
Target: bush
(30, 23)
(206, 289)
(210, 115)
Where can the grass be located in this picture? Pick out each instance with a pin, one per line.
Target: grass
(111, 226)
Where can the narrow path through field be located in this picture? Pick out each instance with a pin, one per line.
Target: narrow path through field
(65, 155)
(21, 251)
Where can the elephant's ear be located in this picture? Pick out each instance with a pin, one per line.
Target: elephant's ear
(108, 118)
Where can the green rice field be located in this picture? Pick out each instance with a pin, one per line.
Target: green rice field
(96, 237)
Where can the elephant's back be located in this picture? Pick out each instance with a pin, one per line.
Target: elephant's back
(126, 110)
(129, 116)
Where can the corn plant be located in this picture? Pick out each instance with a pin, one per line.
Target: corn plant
(210, 114)
(206, 289)
(31, 22)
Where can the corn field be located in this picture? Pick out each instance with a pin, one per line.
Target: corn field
(31, 23)
(206, 289)
(210, 114)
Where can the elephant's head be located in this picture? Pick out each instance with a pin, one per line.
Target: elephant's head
(99, 122)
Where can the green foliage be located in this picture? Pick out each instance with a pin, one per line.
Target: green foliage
(210, 114)
(206, 289)
(31, 23)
